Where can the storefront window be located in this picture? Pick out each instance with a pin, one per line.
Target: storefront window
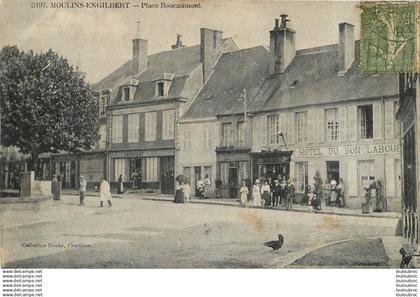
(332, 124)
(301, 176)
(151, 169)
(273, 129)
(224, 172)
(119, 169)
(366, 174)
(302, 127)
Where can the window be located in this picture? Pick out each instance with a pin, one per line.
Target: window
(117, 129)
(126, 94)
(366, 174)
(67, 179)
(151, 170)
(150, 129)
(224, 173)
(102, 105)
(168, 124)
(301, 176)
(207, 171)
(227, 134)
(133, 128)
(160, 89)
(241, 134)
(366, 121)
(302, 127)
(273, 129)
(332, 124)
(207, 134)
(119, 168)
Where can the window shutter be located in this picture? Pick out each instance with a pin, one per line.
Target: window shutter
(390, 177)
(290, 127)
(377, 121)
(352, 181)
(320, 125)
(311, 126)
(264, 130)
(389, 119)
(353, 122)
(342, 124)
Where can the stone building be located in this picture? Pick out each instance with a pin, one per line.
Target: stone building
(147, 96)
(314, 111)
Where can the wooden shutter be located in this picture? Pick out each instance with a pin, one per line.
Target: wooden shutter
(389, 119)
(390, 177)
(377, 121)
(290, 128)
(320, 128)
(342, 124)
(263, 130)
(311, 126)
(352, 181)
(352, 122)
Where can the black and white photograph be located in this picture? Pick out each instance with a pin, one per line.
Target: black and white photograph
(222, 134)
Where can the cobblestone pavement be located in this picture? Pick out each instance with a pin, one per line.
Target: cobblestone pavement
(139, 233)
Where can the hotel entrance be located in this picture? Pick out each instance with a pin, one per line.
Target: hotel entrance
(275, 165)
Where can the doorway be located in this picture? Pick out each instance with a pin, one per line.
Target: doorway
(233, 182)
(333, 170)
(167, 175)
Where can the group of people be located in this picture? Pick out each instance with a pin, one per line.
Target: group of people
(204, 187)
(182, 192)
(269, 193)
(104, 191)
(334, 192)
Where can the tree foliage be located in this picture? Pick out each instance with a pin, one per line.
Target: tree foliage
(46, 104)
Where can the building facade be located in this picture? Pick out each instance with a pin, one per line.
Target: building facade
(409, 120)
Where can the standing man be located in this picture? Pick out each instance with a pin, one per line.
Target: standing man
(83, 184)
(276, 193)
(105, 192)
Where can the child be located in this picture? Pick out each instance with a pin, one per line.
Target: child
(187, 191)
(244, 194)
(311, 200)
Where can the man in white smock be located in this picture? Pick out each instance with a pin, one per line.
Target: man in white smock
(105, 193)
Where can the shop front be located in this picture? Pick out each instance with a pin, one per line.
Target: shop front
(358, 166)
(271, 164)
(145, 170)
(233, 167)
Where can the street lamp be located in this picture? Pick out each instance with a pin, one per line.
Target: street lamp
(284, 141)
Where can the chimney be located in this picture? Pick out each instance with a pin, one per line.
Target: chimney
(139, 61)
(210, 41)
(282, 46)
(345, 47)
(178, 43)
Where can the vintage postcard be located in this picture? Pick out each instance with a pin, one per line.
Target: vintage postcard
(209, 134)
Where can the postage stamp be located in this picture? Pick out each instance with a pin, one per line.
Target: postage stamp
(388, 33)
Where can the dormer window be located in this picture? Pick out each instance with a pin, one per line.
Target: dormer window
(126, 94)
(160, 89)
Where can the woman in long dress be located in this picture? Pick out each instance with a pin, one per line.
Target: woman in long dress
(256, 193)
(179, 193)
(266, 194)
(333, 196)
(244, 194)
(105, 193)
(120, 185)
(207, 186)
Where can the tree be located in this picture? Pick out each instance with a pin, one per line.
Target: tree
(46, 104)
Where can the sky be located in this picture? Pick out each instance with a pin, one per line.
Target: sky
(99, 40)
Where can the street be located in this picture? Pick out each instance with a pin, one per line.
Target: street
(137, 233)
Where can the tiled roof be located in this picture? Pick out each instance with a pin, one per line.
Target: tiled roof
(180, 62)
(312, 78)
(233, 72)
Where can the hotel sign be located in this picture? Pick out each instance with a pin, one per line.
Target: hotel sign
(347, 150)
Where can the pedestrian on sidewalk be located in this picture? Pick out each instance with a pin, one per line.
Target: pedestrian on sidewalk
(290, 193)
(243, 199)
(311, 200)
(207, 187)
(187, 191)
(256, 193)
(83, 184)
(283, 191)
(55, 188)
(340, 192)
(179, 193)
(276, 193)
(266, 194)
(120, 185)
(105, 193)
